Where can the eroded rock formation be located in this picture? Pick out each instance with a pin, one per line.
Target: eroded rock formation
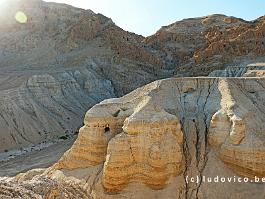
(149, 150)
(60, 63)
(237, 129)
(145, 143)
(63, 60)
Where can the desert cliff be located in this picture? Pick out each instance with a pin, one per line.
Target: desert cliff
(63, 60)
(145, 143)
(148, 113)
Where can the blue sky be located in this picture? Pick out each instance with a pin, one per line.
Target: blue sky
(145, 17)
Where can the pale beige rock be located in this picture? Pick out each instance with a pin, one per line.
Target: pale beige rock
(64, 60)
(240, 138)
(149, 150)
(155, 137)
(90, 147)
(220, 126)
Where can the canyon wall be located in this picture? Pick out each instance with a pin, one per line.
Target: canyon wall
(63, 60)
(147, 142)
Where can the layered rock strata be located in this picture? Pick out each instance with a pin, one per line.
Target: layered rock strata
(237, 130)
(213, 42)
(146, 143)
(149, 150)
(63, 60)
(60, 63)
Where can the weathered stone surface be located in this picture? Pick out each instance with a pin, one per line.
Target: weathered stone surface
(149, 147)
(64, 60)
(60, 63)
(210, 43)
(238, 131)
(149, 150)
(56, 186)
(145, 143)
(90, 148)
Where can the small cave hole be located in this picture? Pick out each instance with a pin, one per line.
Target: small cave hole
(107, 130)
(252, 92)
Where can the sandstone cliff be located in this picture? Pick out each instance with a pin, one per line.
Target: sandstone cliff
(144, 144)
(63, 60)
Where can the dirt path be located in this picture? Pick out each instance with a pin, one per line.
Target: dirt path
(37, 159)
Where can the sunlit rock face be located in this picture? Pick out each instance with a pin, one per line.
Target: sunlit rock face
(58, 61)
(87, 59)
(237, 129)
(212, 43)
(144, 141)
(90, 148)
(149, 150)
(147, 142)
(170, 129)
(153, 133)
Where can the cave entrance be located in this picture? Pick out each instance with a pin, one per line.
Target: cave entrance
(107, 130)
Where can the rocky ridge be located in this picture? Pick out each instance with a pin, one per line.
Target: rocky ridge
(199, 46)
(159, 134)
(57, 65)
(64, 60)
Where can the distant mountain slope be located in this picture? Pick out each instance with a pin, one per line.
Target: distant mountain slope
(64, 60)
(198, 46)
(60, 63)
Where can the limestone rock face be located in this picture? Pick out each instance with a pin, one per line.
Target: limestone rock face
(90, 147)
(58, 64)
(145, 147)
(237, 130)
(144, 140)
(44, 187)
(63, 60)
(145, 144)
(149, 149)
(212, 43)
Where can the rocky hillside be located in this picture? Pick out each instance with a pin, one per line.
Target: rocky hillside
(198, 46)
(58, 64)
(145, 144)
(62, 60)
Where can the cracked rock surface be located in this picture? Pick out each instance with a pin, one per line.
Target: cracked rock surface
(144, 144)
(64, 60)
